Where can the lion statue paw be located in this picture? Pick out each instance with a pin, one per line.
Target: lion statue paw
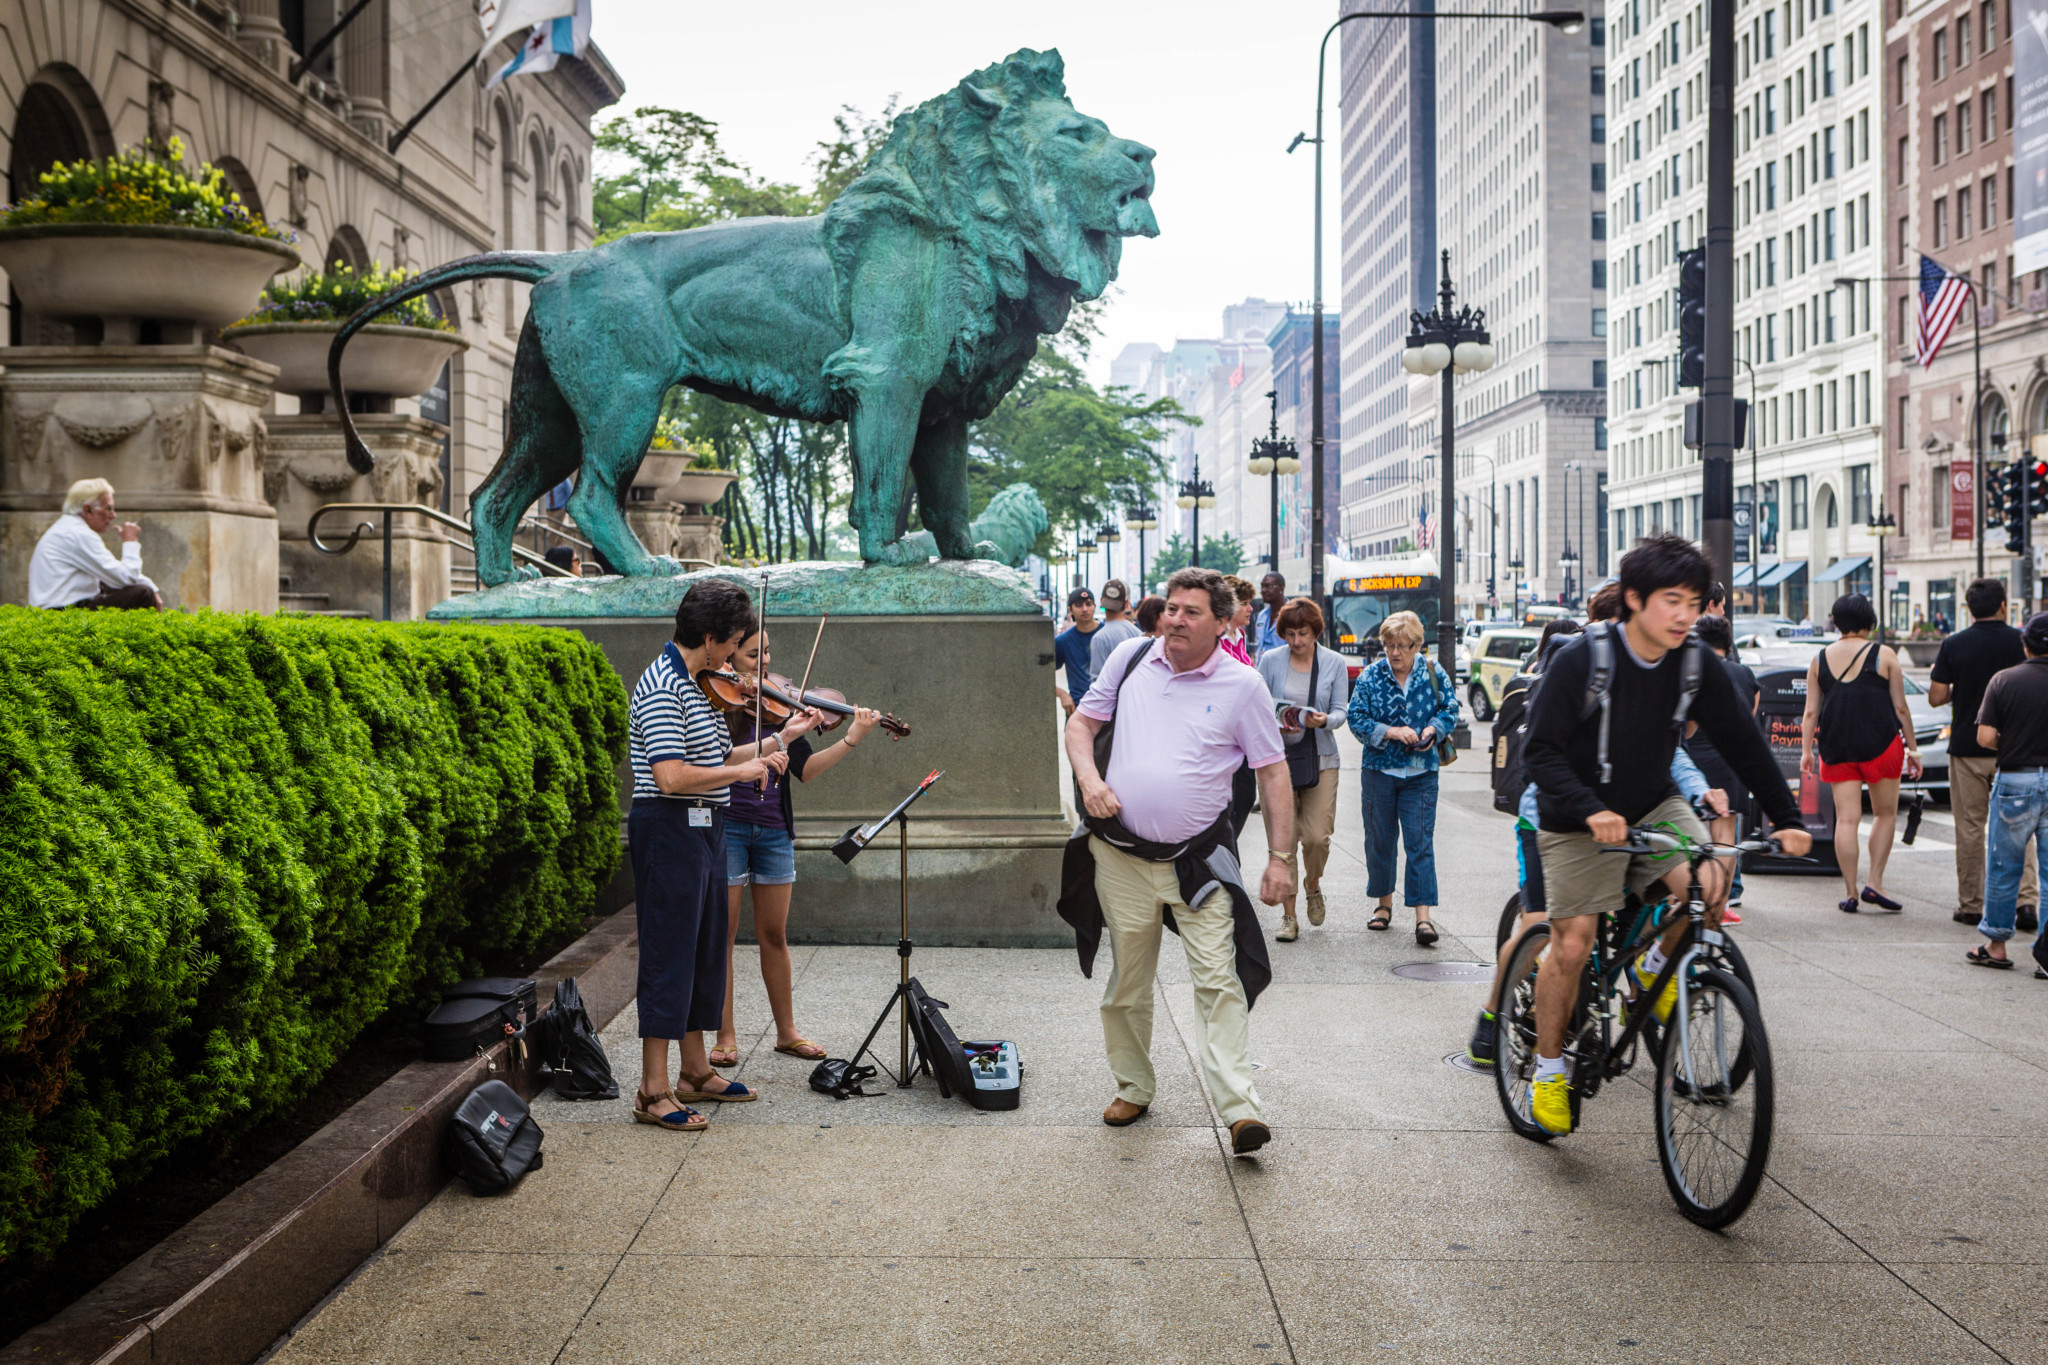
(988, 549)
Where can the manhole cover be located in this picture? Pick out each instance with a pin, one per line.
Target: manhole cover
(1444, 971)
(1458, 1061)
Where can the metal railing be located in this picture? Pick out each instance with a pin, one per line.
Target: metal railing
(391, 509)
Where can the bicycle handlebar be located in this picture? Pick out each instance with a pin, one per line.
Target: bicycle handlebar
(1641, 840)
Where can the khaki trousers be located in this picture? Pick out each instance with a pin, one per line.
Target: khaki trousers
(1131, 891)
(1969, 799)
(1315, 820)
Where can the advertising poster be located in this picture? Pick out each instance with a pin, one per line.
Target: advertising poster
(1962, 501)
(2030, 134)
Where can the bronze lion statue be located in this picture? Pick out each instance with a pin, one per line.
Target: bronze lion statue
(907, 309)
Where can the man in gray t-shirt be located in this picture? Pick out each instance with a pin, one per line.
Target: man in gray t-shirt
(1117, 626)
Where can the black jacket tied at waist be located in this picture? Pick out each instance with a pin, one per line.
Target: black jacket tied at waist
(1201, 865)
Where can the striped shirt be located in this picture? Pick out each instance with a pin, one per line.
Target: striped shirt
(669, 718)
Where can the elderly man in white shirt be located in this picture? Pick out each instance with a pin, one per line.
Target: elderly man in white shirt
(71, 566)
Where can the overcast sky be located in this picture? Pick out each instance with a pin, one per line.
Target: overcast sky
(1218, 90)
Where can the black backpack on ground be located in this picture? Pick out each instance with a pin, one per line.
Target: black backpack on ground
(568, 1046)
(494, 1139)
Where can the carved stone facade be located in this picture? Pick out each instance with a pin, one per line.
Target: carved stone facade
(307, 470)
(486, 170)
(180, 431)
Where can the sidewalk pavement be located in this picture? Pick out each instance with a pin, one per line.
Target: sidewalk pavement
(1394, 1217)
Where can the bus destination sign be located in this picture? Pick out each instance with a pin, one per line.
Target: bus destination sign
(1381, 583)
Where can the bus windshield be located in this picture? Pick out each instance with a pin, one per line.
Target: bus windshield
(1358, 616)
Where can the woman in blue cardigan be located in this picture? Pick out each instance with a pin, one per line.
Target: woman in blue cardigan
(1400, 712)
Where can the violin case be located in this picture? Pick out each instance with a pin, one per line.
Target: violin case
(475, 1014)
(986, 1075)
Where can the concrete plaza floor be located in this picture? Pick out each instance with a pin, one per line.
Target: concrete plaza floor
(1393, 1218)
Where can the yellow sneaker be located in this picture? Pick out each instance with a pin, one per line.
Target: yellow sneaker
(1645, 978)
(1550, 1104)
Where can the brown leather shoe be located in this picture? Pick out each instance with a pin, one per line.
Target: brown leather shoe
(1248, 1135)
(1122, 1113)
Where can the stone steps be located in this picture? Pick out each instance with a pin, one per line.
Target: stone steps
(311, 603)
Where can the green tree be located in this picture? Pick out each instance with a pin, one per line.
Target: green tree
(1224, 554)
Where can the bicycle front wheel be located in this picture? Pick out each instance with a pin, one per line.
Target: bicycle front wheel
(1715, 1098)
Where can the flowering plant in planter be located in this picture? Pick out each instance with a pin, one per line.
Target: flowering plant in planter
(138, 188)
(336, 294)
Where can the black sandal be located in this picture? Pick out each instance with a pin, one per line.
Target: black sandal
(1382, 918)
(1981, 956)
(1425, 933)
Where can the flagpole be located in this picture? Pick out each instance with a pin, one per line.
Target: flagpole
(1977, 419)
(399, 137)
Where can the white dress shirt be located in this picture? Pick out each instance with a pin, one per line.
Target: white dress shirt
(71, 563)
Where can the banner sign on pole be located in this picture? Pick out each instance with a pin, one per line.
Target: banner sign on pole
(1962, 501)
(1745, 522)
(2030, 134)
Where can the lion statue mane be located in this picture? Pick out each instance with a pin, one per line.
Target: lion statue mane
(908, 309)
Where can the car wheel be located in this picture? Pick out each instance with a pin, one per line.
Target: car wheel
(1482, 709)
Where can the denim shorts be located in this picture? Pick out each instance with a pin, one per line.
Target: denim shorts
(758, 854)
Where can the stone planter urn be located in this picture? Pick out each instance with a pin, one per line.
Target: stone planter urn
(383, 360)
(1921, 652)
(697, 487)
(123, 273)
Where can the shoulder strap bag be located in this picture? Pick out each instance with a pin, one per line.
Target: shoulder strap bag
(1446, 748)
(1305, 756)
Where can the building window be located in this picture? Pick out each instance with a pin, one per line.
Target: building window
(1990, 26)
(1827, 153)
(1600, 423)
(1598, 35)
(1990, 198)
(1770, 110)
(1940, 221)
(1599, 322)
(1905, 238)
(1599, 227)
(1599, 274)
(1962, 213)
(1828, 241)
(1963, 127)
(1859, 495)
(1795, 510)
(1599, 128)
(1940, 53)
(1940, 138)
(1990, 119)
(1962, 42)
(1827, 69)
(1599, 176)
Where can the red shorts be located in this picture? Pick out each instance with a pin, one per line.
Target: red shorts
(1886, 767)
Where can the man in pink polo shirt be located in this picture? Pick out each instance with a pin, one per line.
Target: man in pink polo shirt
(1187, 714)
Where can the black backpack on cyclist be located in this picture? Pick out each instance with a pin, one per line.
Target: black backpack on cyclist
(1510, 735)
(1600, 684)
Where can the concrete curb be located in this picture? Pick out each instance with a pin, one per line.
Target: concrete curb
(222, 1288)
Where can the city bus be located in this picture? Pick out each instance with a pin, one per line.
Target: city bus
(1363, 593)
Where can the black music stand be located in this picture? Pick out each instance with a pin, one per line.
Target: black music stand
(850, 844)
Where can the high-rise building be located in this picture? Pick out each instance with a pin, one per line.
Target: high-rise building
(1387, 104)
(1808, 345)
(1959, 192)
(1520, 181)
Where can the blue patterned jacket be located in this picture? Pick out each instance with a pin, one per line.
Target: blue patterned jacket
(1377, 705)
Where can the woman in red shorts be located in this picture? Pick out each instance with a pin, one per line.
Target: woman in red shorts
(1856, 711)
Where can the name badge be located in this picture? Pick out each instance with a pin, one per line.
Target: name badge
(700, 817)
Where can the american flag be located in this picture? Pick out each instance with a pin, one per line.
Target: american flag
(1942, 297)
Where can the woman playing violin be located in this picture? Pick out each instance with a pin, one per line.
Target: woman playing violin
(760, 850)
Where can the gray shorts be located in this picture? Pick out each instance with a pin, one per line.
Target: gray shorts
(1582, 877)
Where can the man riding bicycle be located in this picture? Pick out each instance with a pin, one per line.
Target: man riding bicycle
(1599, 751)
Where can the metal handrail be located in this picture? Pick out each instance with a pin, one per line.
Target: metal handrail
(389, 509)
(554, 528)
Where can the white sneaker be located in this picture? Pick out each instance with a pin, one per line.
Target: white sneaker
(1289, 931)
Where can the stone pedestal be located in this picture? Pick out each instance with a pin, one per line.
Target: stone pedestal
(973, 685)
(308, 468)
(180, 433)
(677, 530)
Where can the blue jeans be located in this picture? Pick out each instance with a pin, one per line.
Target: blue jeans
(1403, 808)
(2019, 813)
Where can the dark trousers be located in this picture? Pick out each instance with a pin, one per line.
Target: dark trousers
(680, 902)
(134, 597)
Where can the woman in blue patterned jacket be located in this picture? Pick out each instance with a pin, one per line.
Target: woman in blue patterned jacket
(1402, 707)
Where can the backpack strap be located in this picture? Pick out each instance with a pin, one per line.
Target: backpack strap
(1600, 686)
(1690, 664)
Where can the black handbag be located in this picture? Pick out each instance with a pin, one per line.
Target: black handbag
(569, 1047)
(494, 1139)
(1305, 755)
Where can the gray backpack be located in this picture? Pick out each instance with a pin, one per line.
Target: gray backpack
(1600, 684)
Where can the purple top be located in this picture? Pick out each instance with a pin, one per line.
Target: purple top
(771, 808)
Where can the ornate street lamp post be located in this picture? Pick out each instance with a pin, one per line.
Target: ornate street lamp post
(1883, 526)
(1109, 534)
(1575, 510)
(1274, 455)
(1084, 545)
(1197, 493)
(1142, 518)
(1447, 340)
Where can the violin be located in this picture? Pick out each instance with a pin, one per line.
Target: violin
(728, 691)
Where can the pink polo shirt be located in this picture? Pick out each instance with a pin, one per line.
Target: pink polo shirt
(1181, 738)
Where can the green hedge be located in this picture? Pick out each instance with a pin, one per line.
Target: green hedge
(228, 842)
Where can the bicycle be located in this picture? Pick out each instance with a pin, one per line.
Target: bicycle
(1715, 1090)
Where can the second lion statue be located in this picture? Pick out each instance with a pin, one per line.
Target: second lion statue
(907, 309)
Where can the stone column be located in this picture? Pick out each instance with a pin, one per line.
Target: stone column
(366, 65)
(180, 433)
(307, 469)
(262, 35)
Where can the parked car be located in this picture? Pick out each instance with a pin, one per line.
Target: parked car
(1499, 655)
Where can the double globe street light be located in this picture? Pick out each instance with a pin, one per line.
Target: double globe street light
(1273, 455)
(1196, 493)
(1141, 519)
(1447, 340)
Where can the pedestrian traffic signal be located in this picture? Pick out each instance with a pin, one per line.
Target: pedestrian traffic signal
(1692, 317)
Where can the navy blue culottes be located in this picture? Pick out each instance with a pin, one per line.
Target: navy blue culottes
(680, 901)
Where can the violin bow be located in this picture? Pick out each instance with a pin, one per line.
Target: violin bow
(760, 676)
(804, 686)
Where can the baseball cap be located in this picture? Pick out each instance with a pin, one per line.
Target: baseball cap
(1115, 594)
(1079, 595)
(2037, 633)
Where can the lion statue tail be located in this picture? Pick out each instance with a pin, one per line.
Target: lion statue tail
(529, 267)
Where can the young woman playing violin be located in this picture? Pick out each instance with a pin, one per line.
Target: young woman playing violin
(760, 851)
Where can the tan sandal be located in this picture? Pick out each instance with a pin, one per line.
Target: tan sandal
(725, 1056)
(683, 1120)
(797, 1049)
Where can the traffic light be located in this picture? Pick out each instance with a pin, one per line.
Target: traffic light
(2012, 505)
(1692, 317)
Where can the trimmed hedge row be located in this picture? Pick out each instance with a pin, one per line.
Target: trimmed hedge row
(228, 842)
